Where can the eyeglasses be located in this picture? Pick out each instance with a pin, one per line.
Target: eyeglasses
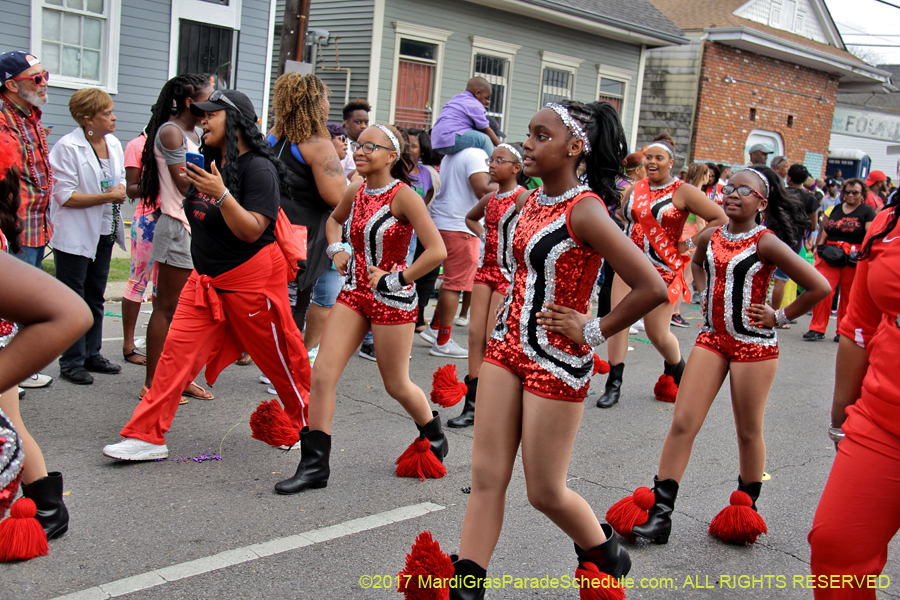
(220, 95)
(368, 147)
(853, 192)
(497, 161)
(38, 78)
(744, 190)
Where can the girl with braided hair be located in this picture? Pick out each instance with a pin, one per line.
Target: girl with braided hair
(171, 132)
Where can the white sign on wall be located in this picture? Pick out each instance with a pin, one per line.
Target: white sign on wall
(866, 123)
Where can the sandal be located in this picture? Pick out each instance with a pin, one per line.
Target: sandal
(193, 390)
(144, 390)
(243, 361)
(140, 361)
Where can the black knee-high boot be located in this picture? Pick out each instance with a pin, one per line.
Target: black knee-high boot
(433, 433)
(467, 417)
(468, 580)
(47, 495)
(659, 525)
(313, 470)
(613, 387)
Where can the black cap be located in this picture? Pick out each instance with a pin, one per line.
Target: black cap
(798, 173)
(238, 100)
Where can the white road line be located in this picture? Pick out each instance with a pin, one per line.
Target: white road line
(129, 585)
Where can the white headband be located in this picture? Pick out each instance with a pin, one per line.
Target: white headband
(512, 150)
(391, 137)
(761, 176)
(571, 123)
(663, 146)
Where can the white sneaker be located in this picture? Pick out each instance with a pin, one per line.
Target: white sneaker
(461, 321)
(632, 330)
(132, 449)
(639, 325)
(286, 447)
(449, 350)
(264, 380)
(428, 334)
(272, 391)
(38, 380)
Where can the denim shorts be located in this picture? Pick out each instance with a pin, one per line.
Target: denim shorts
(780, 275)
(327, 287)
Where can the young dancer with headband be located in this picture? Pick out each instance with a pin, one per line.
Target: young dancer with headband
(498, 209)
(377, 217)
(539, 360)
(655, 211)
(734, 264)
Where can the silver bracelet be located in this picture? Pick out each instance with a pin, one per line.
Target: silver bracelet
(592, 334)
(689, 244)
(218, 203)
(334, 248)
(835, 434)
(392, 280)
(780, 318)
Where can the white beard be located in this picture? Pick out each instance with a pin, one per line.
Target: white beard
(33, 98)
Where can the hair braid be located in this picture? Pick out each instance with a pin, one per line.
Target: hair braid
(298, 108)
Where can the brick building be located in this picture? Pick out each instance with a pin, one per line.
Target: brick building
(763, 71)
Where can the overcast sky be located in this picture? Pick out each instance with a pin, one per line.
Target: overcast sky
(855, 17)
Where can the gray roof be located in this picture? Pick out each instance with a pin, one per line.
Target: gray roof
(888, 101)
(633, 15)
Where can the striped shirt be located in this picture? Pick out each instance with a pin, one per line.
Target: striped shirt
(34, 170)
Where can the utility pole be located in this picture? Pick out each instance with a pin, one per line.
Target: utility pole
(293, 33)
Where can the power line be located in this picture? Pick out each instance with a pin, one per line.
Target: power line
(876, 45)
(888, 3)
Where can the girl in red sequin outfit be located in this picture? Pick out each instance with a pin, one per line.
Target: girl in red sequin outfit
(538, 364)
(498, 209)
(734, 264)
(655, 211)
(377, 217)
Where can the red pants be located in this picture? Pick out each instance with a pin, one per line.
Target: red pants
(822, 311)
(194, 337)
(858, 512)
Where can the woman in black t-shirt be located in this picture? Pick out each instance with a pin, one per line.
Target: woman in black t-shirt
(236, 298)
(845, 229)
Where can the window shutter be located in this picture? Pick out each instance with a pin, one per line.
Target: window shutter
(775, 16)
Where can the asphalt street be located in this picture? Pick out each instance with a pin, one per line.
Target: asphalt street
(215, 529)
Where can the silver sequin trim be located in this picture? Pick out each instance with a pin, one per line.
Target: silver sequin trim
(592, 334)
(505, 195)
(546, 200)
(662, 187)
(505, 259)
(408, 292)
(738, 237)
(6, 339)
(382, 190)
(12, 455)
(350, 278)
(648, 248)
(393, 282)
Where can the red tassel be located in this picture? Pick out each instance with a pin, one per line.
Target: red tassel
(419, 461)
(665, 390)
(594, 585)
(21, 535)
(425, 559)
(446, 389)
(270, 424)
(631, 511)
(738, 523)
(600, 366)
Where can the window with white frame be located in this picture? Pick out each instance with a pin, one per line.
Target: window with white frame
(612, 87)
(416, 79)
(204, 38)
(557, 77)
(77, 41)
(493, 60)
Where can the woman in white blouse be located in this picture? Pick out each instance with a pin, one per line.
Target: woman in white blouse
(88, 190)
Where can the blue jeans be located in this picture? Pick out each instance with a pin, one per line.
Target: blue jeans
(470, 139)
(32, 256)
(327, 287)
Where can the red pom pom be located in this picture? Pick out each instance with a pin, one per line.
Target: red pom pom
(270, 424)
(600, 366)
(446, 389)
(419, 461)
(10, 154)
(631, 511)
(738, 523)
(594, 585)
(425, 558)
(21, 535)
(665, 390)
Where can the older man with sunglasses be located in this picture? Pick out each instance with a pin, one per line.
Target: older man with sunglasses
(23, 89)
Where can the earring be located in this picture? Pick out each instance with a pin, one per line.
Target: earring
(570, 154)
(90, 133)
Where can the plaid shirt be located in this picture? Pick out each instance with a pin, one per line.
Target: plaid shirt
(35, 207)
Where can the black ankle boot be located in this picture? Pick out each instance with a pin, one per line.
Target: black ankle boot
(46, 493)
(468, 580)
(467, 418)
(659, 525)
(313, 470)
(676, 370)
(434, 434)
(609, 557)
(751, 489)
(613, 387)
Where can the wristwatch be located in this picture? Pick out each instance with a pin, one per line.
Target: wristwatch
(218, 203)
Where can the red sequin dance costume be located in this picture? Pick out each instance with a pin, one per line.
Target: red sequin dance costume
(495, 270)
(735, 279)
(8, 329)
(670, 218)
(551, 266)
(379, 239)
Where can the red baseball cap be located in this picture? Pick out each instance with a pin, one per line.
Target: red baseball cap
(875, 176)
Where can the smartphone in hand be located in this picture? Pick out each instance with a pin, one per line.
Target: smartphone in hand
(195, 158)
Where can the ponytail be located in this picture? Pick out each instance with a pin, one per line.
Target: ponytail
(404, 164)
(609, 148)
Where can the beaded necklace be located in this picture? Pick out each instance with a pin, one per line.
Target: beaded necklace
(379, 191)
(29, 155)
(506, 195)
(551, 200)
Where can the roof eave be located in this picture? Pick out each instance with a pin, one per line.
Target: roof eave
(567, 16)
(854, 76)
